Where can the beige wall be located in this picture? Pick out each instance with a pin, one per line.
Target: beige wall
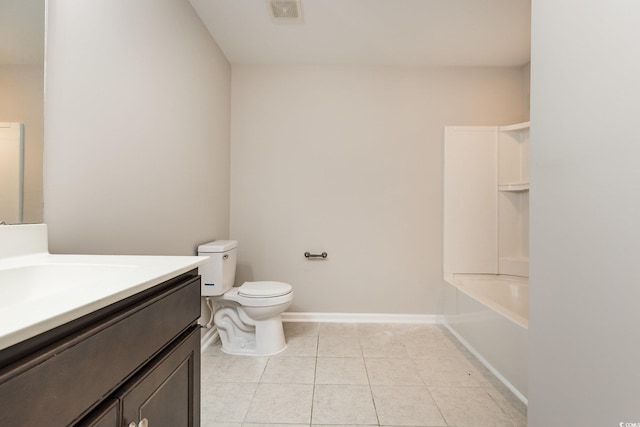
(137, 129)
(348, 160)
(585, 205)
(22, 89)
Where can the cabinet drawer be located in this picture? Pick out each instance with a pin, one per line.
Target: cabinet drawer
(58, 385)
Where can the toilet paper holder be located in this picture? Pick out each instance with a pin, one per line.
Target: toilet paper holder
(309, 255)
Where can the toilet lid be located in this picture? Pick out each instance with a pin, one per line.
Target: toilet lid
(264, 289)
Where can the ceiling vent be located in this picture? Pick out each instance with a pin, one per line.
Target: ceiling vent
(285, 11)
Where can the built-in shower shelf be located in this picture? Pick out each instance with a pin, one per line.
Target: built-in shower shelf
(515, 187)
(516, 127)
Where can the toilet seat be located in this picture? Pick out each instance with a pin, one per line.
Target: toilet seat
(264, 289)
(234, 295)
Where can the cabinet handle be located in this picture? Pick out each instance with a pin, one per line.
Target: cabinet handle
(143, 423)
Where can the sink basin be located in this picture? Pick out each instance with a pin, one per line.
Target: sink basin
(33, 282)
(40, 291)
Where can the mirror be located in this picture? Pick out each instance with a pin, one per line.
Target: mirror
(22, 35)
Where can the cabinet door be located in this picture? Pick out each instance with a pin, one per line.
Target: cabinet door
(167, 393)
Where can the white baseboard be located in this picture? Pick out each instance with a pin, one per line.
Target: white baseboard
(212, 334)
(208, 338)
(362, 318)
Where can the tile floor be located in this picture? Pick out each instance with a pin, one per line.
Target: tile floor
(356, 375)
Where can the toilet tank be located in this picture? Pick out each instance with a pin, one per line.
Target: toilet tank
(219, 273)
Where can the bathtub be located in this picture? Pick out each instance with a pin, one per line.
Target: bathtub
(490, 316)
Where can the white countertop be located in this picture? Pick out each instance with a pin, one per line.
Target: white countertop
(40, 291)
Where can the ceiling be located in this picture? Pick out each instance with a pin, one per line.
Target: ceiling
(374, 32)
(22, 32)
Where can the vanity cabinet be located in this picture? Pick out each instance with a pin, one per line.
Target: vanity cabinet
(167, 393)
(133, 363)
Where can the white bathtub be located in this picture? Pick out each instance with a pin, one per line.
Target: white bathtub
(490, 316)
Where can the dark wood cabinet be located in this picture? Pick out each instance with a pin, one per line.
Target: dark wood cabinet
(136, 359)
(167, 393)
(108, 415)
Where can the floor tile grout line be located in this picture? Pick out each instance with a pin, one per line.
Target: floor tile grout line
(244, 418)
(373, 399)
(506, 411)
(509, 411)
(422, 384)
(437, 406)
(313, 387)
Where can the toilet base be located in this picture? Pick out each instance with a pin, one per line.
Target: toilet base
(270, 335)
(238, 337)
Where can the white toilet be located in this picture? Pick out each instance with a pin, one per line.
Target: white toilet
(247, 317)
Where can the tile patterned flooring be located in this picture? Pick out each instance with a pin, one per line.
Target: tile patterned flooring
(356, 375)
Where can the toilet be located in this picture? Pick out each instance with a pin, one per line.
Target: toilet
(248, 316)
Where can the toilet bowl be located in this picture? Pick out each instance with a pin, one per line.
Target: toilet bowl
(247, 317)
